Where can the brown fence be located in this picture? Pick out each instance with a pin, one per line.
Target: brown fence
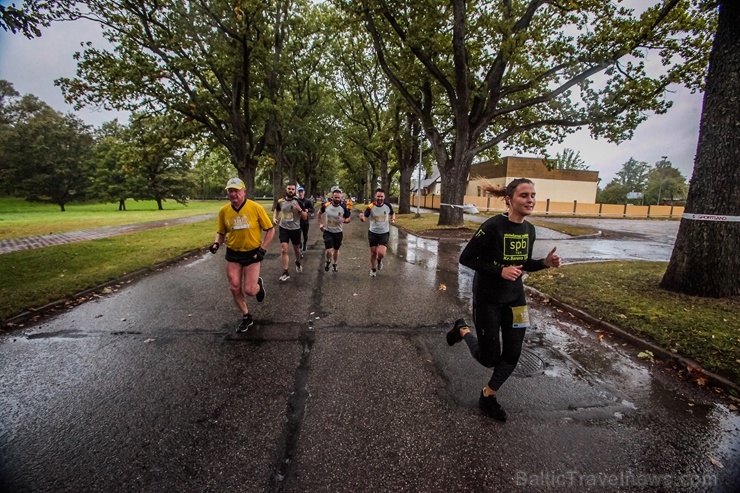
(564, 208)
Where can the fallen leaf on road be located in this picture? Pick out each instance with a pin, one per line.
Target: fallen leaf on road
(601, 337)
(699, 376)
(99, 315)
(648, 355)
(715, 462)
(149, 340)
(442, 287)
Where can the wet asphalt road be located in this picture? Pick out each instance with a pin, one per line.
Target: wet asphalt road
(623, 239)
(345, 384)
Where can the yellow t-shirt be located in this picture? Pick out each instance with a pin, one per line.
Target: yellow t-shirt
(243, 228)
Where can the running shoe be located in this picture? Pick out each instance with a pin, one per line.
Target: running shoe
(373, 273)
(453, 336)
(298, 267)
(261, 293)
(326, 266)
(334, 266)
(246, 323)
(380, 263)
(284, 277)
(491, 408)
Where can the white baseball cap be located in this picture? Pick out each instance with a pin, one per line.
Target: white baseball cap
(235, 183)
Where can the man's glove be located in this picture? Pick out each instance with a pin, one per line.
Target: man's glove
(260, 255)
(214, 248)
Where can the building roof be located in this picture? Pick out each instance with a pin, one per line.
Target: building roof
(529, 167)
(428, 182)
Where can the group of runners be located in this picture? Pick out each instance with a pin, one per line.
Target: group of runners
(499, 252)
(247, 230)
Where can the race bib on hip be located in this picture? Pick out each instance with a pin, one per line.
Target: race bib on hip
(521, 317)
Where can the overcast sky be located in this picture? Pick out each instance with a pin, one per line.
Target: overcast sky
(33, 65)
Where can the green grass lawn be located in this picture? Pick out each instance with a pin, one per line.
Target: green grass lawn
(33, 278)
(19, 218)
(627, 294)
(426, 222)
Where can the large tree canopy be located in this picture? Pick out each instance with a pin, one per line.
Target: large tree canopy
(32, 15)
(214, 62)
(526, 72)
(46, 157)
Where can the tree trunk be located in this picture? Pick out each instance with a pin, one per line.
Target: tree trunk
(407, 165)
(404, 196)
(705, 259)
(385, 181)
(454, 182)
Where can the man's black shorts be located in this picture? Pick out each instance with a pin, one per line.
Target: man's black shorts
(290, 236)
(378, 239)
(333, 240)
(243, 258)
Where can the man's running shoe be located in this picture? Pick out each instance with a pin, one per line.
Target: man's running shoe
(491, 408)
(326, 266)
(246, 323)
(380, 263)
(284, 277)
(261, 293)
(334, 266)
(453, 336)
(298, 267)
(373, 273)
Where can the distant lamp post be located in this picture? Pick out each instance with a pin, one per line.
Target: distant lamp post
(662, 179)
(418, 186)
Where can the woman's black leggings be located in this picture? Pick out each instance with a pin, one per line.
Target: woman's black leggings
(494, 320)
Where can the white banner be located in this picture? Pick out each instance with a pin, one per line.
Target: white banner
(710, 217)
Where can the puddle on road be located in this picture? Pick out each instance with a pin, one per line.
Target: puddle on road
(570, 350)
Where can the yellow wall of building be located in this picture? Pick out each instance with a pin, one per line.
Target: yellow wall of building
(494, 204)
(556, 185)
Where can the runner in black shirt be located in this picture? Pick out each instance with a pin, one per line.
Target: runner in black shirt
(308, 206)
(499, 252)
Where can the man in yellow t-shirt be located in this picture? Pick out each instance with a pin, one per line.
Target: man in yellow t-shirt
(240, 226)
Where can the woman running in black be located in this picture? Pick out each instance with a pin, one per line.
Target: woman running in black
(499, 252)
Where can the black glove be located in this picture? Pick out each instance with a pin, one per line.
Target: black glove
(214, 248)
(260, 255)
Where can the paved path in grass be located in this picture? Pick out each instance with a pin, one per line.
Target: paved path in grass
(31, 242)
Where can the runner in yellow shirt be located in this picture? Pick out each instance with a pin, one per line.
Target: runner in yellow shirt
(240, 226)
